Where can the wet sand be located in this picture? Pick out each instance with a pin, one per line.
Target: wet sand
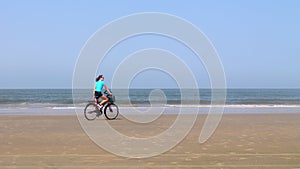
(240, 141)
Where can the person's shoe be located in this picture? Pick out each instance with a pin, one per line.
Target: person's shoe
(100, 107)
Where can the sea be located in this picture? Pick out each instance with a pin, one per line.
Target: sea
(65, 101)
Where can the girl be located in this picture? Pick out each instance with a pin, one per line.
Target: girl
(99, 84)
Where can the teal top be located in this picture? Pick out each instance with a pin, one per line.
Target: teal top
(99, 85)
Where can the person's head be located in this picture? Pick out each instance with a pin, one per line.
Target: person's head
(100, 77)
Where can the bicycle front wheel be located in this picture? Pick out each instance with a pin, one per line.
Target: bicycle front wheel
(111, 111)
(91, 111)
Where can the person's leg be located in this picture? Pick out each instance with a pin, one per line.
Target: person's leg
(104, 100)
(96, 100)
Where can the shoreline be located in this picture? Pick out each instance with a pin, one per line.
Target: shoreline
(152, 110)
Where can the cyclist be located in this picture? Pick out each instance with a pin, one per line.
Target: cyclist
(99, 84)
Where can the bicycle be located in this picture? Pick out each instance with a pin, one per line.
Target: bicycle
(111, 110)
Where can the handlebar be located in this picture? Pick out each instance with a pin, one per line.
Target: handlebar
(106, 93)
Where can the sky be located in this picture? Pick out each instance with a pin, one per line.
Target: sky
(257, 41)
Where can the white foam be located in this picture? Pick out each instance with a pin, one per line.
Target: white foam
(63, 108)
(237, 106)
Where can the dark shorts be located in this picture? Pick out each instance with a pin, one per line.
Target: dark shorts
(98, 94)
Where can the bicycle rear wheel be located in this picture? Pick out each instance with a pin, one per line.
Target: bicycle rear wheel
(111, 111)
(91, 111)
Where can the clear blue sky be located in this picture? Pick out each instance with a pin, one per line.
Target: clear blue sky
(257, 41)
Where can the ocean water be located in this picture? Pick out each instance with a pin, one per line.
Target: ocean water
(237, 100)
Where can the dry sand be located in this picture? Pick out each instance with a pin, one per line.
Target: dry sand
(240, 141)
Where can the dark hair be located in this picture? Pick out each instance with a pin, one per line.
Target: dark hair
(99, 77)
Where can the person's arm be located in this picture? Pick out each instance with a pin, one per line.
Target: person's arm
(106, 88)
(94, 90)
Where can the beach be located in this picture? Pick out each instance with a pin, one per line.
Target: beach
(240, 141)
(192, 84)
